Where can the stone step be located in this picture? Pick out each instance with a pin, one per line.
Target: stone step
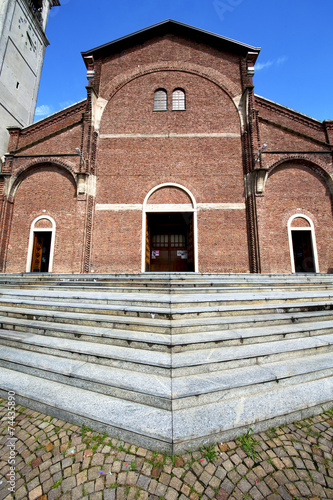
(155, 325)
(118, 308)
(243, 336)
(175, 288)
(165, 305)
(191, 322)
(150, 389)
(157, 390)
(132, 421)
(244, 331)
(202, 360)
(273, 392)
(185, 362)
(209, 386)
(115, 336)
(169, 361)
(145, 360)
(175, 281)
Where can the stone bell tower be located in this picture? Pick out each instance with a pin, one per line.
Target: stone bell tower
(22, 49)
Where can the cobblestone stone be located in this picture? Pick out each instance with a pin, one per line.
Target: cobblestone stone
(293, 466)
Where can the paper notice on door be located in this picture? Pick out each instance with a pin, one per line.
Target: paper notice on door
(182, 254)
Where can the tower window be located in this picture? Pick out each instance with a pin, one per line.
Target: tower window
(160, 100)
(178, 100)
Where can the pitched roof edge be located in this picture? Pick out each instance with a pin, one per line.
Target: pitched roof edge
(53, 115)
(163, 27)
(288, 109)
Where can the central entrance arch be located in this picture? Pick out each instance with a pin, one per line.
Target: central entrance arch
(169, 230)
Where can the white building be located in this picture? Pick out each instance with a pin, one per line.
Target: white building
(22, 49)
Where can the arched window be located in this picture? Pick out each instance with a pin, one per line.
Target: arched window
(160, 100)
(178, 100)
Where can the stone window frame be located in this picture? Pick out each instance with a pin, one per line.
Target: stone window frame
(33, 230)
(313, 240)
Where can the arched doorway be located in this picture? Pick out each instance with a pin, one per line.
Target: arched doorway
(41, 245)
(302, 244)
(169, 229)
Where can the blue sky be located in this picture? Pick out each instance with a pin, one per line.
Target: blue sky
(294, 67)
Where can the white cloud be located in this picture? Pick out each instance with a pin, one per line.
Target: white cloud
(43, 110)
(275, 62)
(259, 66)
(281, 60)
(65, 104)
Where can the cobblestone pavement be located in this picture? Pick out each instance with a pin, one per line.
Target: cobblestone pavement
(57, 460)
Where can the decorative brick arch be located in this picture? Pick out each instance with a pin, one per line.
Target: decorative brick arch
(297, 160)
(316, 167)
(37, 166)
(213, 76)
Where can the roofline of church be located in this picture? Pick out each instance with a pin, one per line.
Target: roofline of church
(175, 27)
(291, 110)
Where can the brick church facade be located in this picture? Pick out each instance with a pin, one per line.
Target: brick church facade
(171, 163)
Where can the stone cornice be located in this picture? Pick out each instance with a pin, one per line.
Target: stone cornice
(295, 132)
(291, 114)
(46, 137)
(56, 117)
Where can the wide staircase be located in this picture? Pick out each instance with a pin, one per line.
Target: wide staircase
(168, 361)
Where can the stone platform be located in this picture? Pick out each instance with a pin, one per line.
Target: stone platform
(169, 361)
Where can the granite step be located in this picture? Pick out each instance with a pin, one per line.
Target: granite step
(195, 418)
(185, 362)
(145, 360)
(115, 336)
(179, 281)
(165, 305)
(199, 355)
(191, 314)
(157, 390)
(154, 325)
(150, 389)
(244, 332)
(124, 419)
(175, 288)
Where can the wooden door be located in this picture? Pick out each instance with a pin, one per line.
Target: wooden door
(41, 252)
(147, 257)
(169, 242)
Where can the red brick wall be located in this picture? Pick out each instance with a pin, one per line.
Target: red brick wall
(165, 51)
(117, 242)
(211, 168)
(222, 241)
(47, 191)
(293, 189)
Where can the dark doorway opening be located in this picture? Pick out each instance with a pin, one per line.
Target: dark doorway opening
(303, 252)
(169, 242)
(41, 252)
